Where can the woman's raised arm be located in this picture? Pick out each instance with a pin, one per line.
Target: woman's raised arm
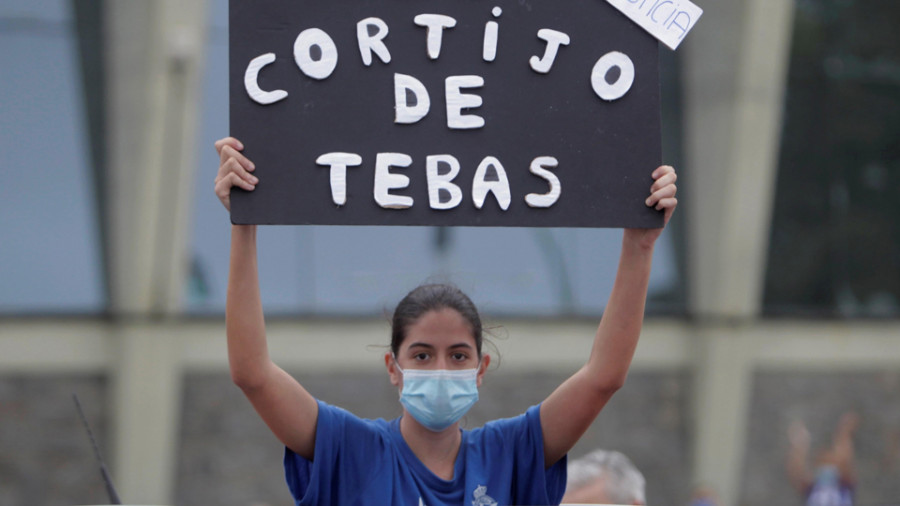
(568, 412)
(286, 407)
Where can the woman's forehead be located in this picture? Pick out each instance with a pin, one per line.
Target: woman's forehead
(445, 327)
(462, 345)
(441, 319)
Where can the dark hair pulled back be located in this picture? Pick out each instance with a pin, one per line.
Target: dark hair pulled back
(433, 297)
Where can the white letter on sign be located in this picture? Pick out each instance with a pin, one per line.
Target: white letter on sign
(385, 180)
(554, 40)
(491, 30)
(372, 43)
(457, 101)
(339, 163)
(251, 81)
(612, 91)
(440, 184)
(435, 24)
(316, 68)
(499, 184)
(539, 168)
(404, 113)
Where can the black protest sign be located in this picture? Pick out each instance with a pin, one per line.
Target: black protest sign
(444, 112)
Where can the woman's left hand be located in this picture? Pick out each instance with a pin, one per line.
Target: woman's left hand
(662, 198)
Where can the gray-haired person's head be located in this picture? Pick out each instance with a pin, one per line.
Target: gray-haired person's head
(623, 483)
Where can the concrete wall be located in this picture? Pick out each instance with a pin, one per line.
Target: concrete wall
(45, 453)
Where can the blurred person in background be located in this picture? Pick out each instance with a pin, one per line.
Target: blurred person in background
(832, 482)
(604, 477)
(704, 495)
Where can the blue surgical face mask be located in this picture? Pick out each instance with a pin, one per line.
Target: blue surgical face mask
(438, 398)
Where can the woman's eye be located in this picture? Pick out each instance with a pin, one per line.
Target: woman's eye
(459, 357)
(421, 356)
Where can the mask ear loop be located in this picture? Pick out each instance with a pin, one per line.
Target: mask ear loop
(396, 363)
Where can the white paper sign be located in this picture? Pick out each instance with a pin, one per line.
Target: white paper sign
(667, 20)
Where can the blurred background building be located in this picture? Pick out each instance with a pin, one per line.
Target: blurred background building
(775, 294)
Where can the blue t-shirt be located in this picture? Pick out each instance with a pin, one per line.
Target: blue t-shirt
(367, 462)
(837, 495)
(829, 492)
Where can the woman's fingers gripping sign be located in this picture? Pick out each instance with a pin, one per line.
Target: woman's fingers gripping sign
(663, 190)
(234, 170)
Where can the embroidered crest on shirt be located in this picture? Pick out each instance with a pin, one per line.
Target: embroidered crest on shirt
(480, 497)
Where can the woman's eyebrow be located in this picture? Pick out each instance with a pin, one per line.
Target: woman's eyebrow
(432, 347)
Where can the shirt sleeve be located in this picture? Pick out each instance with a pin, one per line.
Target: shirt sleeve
(522, 439)
(554, 483)
(344, 461)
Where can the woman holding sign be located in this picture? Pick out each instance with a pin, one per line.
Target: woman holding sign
(436, 360)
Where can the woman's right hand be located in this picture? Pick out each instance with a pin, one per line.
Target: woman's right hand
(234, 170)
